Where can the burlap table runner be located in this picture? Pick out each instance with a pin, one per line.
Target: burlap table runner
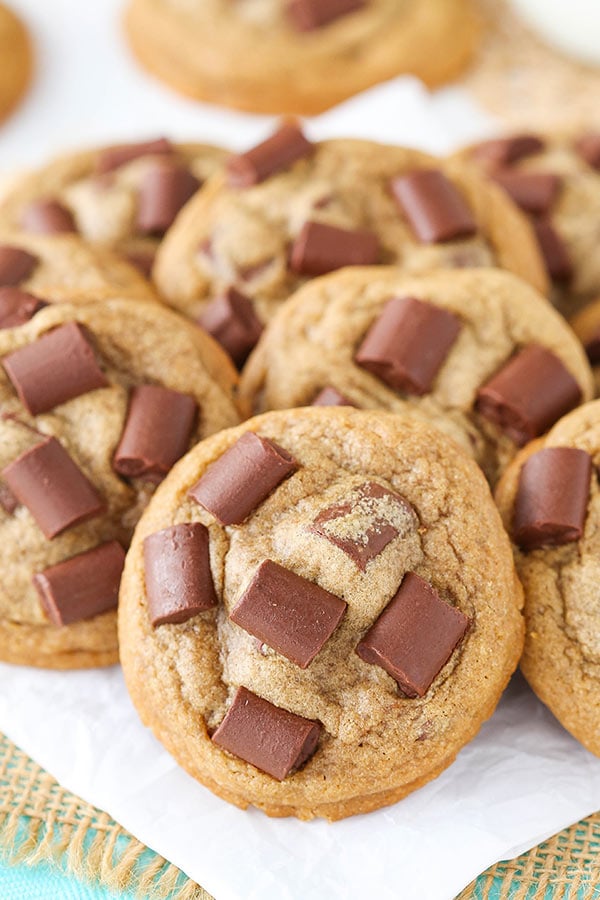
(40, 821)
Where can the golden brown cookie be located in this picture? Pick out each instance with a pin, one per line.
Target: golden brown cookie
(378, 538)
(288, 210)
(477, 351)
(63, 267)
(312, 54)
(555, 180)
(97, 402)
(550, 503)
(123, 196)
(586, 325)
(524, 81)
(17, 62)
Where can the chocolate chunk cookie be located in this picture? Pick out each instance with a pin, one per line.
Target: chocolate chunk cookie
(16, 56)
(97, 402)
(313, 53)
(555, 180)
(289, 210)
(64, 267)
(550, 503)
(319, 609)
(123, 196)
(478, 352)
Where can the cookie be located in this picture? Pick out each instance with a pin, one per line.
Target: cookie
(63, 267)
(17, 62)
(123, 196)
(555, 180)
(527, 83)
(312, 54)
(550, 503)
(289, 210)
(357, 527)
(586, 325)
(97, 402)
(476, 351)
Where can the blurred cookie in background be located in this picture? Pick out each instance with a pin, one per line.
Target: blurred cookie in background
(16, 60)
(298, 56)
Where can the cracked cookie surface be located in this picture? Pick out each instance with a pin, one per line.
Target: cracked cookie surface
(313, 342)
(134, 343)
(376, 743)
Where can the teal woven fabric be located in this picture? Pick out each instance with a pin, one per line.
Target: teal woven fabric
(47, 882)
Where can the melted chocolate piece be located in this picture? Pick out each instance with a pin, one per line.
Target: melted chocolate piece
(321, 248)
(231, 320)
(47, 217)
(18, 307)
(434, 207)
(533, 192)
(179, 581)
(164, 190)
(292, 615)
(554, 250)
(83, 586)
(407, 345)
(528, 394)
(16, 265)
(52, 487)
(57, 367)
(278, 152)
(552, 499)
(364, 524)
(500, 152)
(274, 740)
(307, 15)
(242, 478)
(414, 636)
(111, 158)
(157, 432)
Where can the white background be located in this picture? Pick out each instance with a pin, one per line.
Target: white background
(523, 777)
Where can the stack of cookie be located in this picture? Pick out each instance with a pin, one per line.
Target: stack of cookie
(318, 607)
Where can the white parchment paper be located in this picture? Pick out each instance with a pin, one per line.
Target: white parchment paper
(522, 779)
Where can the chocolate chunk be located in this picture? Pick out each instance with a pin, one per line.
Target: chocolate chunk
(592, 348)
(414, 636)
(321, 248)
(16, 265)
(47, 217)
(83, 586)
(52, 487)
(157, 432)
(292, 615)
(364, 525)
(112, 158)
(57, 367)
(554, 250)
(407, 345)
(552, 499)
(588, 148)
(142, 260)
(435, 209)
(501, 152)
(239, 480)
(528, 394)
(306, 15)
(231, 320)
(165, 188)
(283, 148)
(330, 396)
(266, 736)
(179, 581)
(534, 192)
(17, 307)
